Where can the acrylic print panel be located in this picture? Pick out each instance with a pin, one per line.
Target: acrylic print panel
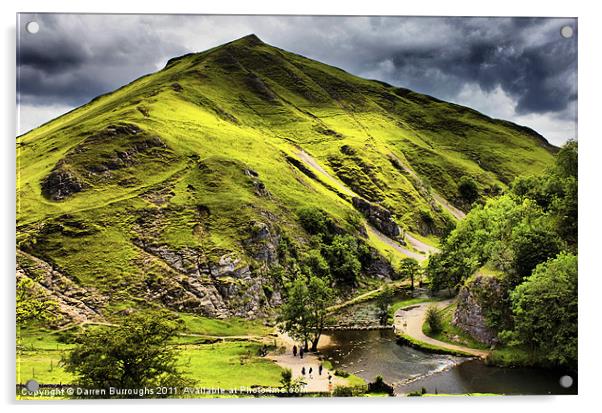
(258, 206)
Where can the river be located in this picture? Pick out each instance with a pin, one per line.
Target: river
(369, 353)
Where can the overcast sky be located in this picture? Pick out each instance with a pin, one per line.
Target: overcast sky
(519, 69)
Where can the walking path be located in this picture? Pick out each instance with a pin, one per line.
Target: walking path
(422, 249)
(393, 244)
(421, 246)
(315, 383)
(409, 321)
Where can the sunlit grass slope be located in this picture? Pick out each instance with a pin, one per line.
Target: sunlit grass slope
(207, 145)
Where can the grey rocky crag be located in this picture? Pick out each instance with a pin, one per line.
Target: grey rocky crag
(73, 302)
(61, 183)
(378, 216)
(228, 285)
(475, 297)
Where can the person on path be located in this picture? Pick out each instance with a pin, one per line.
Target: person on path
(310, 371)
(301, 352)
(303, 370)
(320, 367)
(295, 351)
(329, 378)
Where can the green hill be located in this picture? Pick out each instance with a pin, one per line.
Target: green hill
(185, 188)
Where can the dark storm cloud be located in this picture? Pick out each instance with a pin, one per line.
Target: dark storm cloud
(74, 58)
(526, 57)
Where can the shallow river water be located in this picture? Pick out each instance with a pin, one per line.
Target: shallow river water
(369, 353)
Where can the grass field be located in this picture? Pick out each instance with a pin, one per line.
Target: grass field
(224, 327)
(229, 365)
(221, 364)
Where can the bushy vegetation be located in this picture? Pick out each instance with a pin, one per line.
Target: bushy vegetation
(291, 386)
(132, 355)
(337, 253)
(33, 305)
(468, 189)
(433, 319)
(379, 386)
(383, 303)
(545, 311)
(528, 236)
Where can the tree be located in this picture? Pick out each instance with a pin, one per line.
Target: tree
(342, 257)
(320, 298)
(530, 245)
(383, 301)
(131, 355)
(409, 268)
(33, 304)
(303, 315)
(545, 311)
(566, 160)
(293, 313)
(556, 192)
(468, 189)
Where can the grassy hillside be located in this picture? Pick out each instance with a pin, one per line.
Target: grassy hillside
(183, 188)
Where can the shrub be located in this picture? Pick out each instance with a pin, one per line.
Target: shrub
(343, 391)
(342, 257)
(379, 386)
(468, 189)
(348, 391)
(133, 354)
(317, 222)
(341, 373)
(434, 319)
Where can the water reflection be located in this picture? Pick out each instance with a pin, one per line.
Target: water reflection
(369, 353)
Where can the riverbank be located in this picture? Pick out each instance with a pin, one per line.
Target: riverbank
(315, 382)
(408, 324)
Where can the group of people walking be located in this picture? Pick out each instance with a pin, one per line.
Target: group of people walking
(310, 370)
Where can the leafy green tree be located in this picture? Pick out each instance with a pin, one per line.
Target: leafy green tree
(33, 304)
(556, 192)
(342, 256)
(383, 302)
(468, 189)
(565, 212)
(567, 160)
(545, 311)
(409, 269)
(530, 245)
(131, 355)
(303, 316)
(321, 296)
(295, 318)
